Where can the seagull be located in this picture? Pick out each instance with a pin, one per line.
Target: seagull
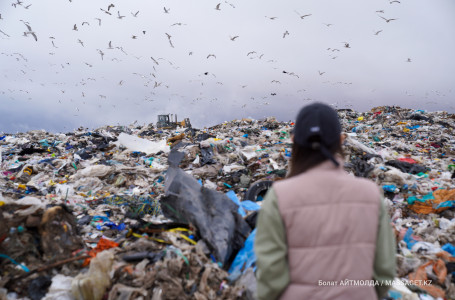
(218, 6)
(75, 27)
(252, 52)
(85, 23)
(377, 32)
(302, 16)
(180, 24)
(135, 15)
(154, 60)
(166, 10)
(346, 45)
(121, 49)
(394, 1)
(54, 44)
(110, 45)
(380, 11)
(110, 6)
(321, 73)
(409, 60)
(99, 21)
(271, 18)
(328, 25)
(169, 38)
(1, 17)
(190, 53)
(80, 42)
(28, 26)
(230, 4)
(119, 16)
(29, 31)
(101, 53)
(335, 50)
(211, 55)
(26, 7)
(387, 20)
(121, 82)
(233, 38)
(134, 37)
(276, 81)
(106, 11)
(4, 33)
(286, 33)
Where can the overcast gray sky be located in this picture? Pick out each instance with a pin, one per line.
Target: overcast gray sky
(343, 53)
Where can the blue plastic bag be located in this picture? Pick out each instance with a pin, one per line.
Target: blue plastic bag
(250, 205)
(390, 188)
(450, 203)
(244, 205)
(449, 248)
(231, 194)
(410, 241)
(245, 258)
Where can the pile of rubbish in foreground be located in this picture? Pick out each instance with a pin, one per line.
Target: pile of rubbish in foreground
(140, 213)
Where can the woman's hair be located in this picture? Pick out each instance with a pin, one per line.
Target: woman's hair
(304, 158)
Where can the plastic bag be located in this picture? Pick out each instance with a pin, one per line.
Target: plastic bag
(93, 284)
(135, 143)
(244, 259)
(449, 248)
(211, 212)
(93, 171)
(60, 288)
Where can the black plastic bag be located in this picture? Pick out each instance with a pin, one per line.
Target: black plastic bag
(213, 214)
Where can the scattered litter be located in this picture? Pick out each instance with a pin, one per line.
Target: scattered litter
(115, 208)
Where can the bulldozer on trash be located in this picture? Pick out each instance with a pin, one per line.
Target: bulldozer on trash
(165, 122)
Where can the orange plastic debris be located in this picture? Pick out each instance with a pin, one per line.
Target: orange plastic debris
(421, 274)
(446, 256)
(103, 244)
(429, 206)
(439, 268)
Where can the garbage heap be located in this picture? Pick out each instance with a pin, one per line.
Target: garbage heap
(135, 212)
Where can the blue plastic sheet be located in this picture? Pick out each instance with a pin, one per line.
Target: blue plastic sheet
(389, 188)
(245, 258)
(450, 203)
(449, 248)
(250, 205)
(235, 199)
(395, 295)
(244, 205)
(413, 199)
(410, 241)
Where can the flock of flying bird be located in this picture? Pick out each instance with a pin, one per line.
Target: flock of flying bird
(151, 79)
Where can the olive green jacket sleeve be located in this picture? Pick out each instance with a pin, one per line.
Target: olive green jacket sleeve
(270, 246)
(384, 267)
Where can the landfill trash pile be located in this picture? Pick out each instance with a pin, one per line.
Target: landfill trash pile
(133, 212)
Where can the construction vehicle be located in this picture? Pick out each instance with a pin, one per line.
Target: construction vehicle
(165, 122)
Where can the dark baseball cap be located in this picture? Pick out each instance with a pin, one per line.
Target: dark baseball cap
(317, 127)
